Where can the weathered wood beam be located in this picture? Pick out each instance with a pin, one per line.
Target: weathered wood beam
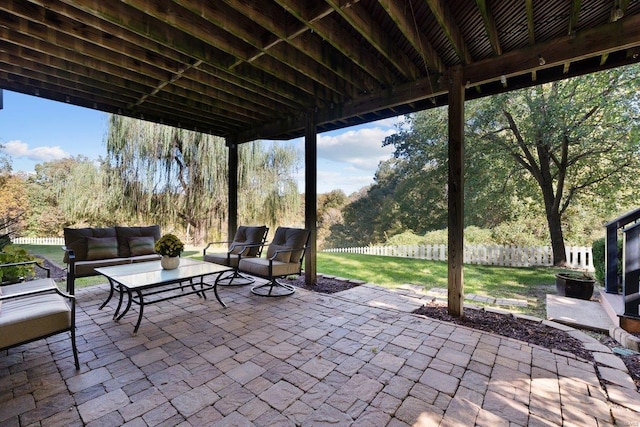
(233, 22)
(322, 23)
(490, 26)
(455, 248)
(66, 59)
(360, 19)
(596, 41)
(311, 196)
(442, 13)
(530, 22)
(232, 194)
(215, 62)
(195, 26)
(418, 41)
(95, 31)
(574, 14)
(285, 29)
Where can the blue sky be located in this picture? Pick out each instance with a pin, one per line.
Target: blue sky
(35, 130)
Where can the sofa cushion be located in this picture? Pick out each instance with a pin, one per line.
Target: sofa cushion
(76, 239)
(86, 268)
(141, 245)
(101, 248)
(126, 233)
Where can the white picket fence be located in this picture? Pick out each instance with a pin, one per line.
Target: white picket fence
(511, 256)
(39, 241)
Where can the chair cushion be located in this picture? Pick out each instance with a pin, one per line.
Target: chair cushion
(260, 267)
(143, 245)
(101, 248)
(221, 258)
(290, 238)
(24, 319)
(281, 256)
(248, 235)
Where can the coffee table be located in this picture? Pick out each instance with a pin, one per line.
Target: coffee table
(148, 283)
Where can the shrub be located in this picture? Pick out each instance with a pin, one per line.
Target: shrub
(598, 252)
(11, 254)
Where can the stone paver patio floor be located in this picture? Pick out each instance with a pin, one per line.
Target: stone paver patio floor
(354, 358)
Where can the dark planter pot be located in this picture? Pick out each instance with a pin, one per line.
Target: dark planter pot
(569, 285)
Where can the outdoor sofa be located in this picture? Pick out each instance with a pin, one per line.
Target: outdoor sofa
(107, 246)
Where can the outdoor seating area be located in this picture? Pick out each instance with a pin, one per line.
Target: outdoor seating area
(358, 357)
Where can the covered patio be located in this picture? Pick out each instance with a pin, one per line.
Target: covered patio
(358, 357)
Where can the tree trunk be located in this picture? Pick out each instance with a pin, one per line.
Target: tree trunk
(557, 238)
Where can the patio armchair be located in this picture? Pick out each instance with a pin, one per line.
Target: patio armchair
(284, 258)
(36, 309)
(247, 243)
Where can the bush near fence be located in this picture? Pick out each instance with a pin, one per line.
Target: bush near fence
(509, 256)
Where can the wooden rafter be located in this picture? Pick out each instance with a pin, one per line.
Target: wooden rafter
(489, 26)
(441, 11)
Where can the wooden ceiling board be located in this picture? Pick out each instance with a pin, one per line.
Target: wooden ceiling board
(250, 69)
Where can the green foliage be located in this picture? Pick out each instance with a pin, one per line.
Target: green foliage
(543, 164)
(598, 252)
(178, 179)
(11, 254)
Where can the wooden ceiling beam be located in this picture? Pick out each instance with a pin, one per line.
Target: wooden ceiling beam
(360, 19)
(323, 24)
(69, 60)
(83, 87)
(442, 13)
(236, 24)
(591, 42)
(490, 26)
(284, 28)
(215, 61)
(419, 41)
(171, 17)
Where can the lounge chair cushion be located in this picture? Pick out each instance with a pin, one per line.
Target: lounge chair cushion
(221, 258)
(251, 235)
(32, 317)
(289, 238)
(260, 267)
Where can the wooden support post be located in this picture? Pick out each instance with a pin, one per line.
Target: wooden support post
(311, 196)
(456, 193)
(232, 219)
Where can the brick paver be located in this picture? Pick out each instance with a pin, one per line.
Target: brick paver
(354, 358)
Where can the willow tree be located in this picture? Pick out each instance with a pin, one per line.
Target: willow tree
(178, 178)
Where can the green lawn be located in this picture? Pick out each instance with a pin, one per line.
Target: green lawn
(531, 284)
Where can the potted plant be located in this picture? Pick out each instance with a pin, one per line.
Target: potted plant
(170, 247)
(575, 284)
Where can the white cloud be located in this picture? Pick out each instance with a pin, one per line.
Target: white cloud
(19, 149)
(360, 148)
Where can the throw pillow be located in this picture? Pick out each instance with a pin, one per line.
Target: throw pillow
(141, 245)
(102, 248)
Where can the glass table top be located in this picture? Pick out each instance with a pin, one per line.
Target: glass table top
(145, 274)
